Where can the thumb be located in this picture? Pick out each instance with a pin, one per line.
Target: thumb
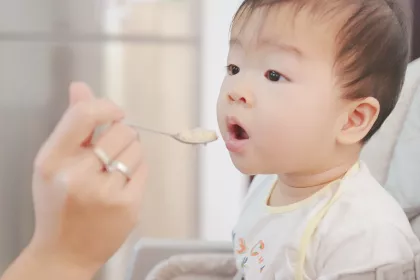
(80, 92)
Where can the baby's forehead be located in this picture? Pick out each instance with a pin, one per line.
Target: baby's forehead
(285, 25)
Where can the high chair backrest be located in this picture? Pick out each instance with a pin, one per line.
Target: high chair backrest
(403, 271)
(393, 154)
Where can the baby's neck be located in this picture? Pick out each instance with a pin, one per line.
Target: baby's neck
(316, 178)
(291, 188)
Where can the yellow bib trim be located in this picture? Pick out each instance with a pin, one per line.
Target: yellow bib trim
(313, 224)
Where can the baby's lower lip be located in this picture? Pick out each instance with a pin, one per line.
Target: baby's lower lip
(235, 145)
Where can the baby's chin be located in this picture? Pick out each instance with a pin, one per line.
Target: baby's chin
(252, 166)
(246, 167)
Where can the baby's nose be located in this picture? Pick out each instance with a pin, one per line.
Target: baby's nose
(244, 99)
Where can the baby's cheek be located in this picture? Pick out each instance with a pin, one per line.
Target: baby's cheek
(287, 134)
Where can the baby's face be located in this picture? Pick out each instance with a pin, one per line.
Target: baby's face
(278, 108)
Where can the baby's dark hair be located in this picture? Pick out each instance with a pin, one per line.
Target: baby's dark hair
(372, 46)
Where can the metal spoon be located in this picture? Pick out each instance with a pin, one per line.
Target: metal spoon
(186, 137)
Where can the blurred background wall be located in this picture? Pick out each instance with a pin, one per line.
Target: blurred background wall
(163, 62)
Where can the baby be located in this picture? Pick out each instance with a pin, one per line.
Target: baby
(308, 83)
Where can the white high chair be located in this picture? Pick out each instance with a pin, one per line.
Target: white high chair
(393, 155)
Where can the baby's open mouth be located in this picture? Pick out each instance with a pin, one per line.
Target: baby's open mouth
(238, 132)
(237, 137)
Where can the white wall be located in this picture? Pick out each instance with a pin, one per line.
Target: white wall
(222, 186)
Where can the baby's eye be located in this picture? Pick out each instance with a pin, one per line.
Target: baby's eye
(232, 69)
(274, 76)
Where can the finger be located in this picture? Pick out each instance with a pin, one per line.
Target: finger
(80, 92)
(80, 121)
(112, 142)
(134, 189)
(131, 158)
(79, 180)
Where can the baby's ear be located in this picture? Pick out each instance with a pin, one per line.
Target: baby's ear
(360, 116)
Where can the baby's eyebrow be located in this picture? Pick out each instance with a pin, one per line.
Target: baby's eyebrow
(234, 41)
(282, 47)
(267, 42)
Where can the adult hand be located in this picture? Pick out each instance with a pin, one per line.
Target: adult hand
(83, 212)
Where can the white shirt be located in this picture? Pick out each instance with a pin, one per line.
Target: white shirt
(353, 225)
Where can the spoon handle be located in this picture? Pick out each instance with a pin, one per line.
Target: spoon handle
(149, 129)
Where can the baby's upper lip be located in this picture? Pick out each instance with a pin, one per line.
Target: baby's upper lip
(232, 120)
